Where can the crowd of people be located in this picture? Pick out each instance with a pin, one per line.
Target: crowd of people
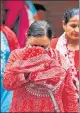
(39, 73)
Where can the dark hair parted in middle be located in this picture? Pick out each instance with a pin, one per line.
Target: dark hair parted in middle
(40, 28)
(69, 14)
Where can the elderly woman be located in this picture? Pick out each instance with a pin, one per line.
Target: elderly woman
(36, 74)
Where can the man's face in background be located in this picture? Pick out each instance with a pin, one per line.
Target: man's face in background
(42, 14)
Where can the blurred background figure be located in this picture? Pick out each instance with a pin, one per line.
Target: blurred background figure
(9, 42)
(19, 16)
(15, 10)
(41, 12)
(33, 10)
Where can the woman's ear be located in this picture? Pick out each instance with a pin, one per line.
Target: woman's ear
(64, 25)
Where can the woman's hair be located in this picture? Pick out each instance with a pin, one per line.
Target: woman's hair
(69, 14)
(40, 28)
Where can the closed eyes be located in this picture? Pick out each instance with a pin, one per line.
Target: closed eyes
(39, 46)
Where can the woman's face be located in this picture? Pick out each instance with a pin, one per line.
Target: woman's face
(42, 41)
(72, 28)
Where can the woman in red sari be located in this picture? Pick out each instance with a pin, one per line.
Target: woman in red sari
(68, 44)
(36, 75)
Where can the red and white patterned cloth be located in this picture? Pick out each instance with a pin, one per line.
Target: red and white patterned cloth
(72, 57)
(30, 72)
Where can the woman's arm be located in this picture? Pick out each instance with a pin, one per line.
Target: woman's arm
(13, 78)
(17, 70)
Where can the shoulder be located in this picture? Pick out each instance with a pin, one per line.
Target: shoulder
(54, 42)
